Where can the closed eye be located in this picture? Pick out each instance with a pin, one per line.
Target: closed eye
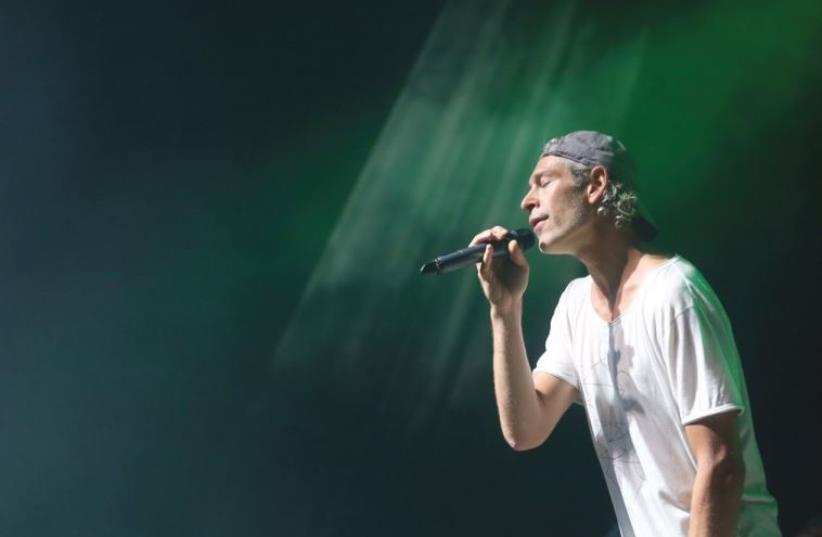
(542, 178)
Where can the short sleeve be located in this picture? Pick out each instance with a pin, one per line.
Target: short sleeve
(557, 358)
(704, 372)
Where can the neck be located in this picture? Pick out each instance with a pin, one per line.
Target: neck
(610, 259)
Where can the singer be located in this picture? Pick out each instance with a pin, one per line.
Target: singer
(642, 342)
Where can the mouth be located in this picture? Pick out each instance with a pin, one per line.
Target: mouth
(536, 221)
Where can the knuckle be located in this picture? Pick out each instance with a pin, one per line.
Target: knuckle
(481, 237)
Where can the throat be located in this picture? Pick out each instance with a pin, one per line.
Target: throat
(611, 308)
(612, 298)
(616, 279)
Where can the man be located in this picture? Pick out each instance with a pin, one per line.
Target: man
(642, 343)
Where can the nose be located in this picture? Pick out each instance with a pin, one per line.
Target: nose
(529, 201)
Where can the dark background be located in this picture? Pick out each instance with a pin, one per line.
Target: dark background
(171, 173)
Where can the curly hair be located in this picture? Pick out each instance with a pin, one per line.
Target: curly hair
(619, 201)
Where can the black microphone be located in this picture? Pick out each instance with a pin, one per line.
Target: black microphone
(473, 254)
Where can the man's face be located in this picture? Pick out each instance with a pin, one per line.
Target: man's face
(556, 206)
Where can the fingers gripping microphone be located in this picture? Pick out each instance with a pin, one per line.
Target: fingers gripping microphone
(473, 254)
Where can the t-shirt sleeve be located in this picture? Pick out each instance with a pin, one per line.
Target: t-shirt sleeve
(557, 358)
(703, 364)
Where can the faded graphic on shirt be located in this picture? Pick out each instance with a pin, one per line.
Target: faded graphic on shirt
(615, 399)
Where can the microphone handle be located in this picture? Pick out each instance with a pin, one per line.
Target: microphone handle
(468, 256)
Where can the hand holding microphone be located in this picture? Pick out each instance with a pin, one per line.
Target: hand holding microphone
(501, 264)
(503, 279)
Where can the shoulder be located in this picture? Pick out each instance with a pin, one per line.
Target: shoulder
(677, 285)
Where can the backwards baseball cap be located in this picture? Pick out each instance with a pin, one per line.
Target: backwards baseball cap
(592, 148)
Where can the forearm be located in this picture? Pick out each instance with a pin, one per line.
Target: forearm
(517, 400)
(716, 500)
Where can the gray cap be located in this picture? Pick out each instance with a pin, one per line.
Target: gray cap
(592, 148)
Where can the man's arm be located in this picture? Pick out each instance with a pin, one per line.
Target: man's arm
(720, 475)
(529, 407)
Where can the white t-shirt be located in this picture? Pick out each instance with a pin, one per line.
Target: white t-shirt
(667, 361)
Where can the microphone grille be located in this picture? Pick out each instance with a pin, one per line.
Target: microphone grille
(525, 237)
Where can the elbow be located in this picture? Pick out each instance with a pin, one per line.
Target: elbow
(521, 442)
(519, 446)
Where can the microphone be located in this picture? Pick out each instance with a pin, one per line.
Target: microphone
(473, 254)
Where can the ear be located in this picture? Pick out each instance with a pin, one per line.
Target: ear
(597, 183)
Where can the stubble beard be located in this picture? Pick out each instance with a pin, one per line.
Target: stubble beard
(560, 239)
